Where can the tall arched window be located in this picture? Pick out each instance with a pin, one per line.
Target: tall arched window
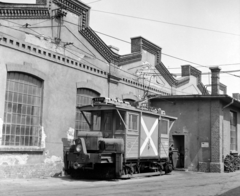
(84, 97)
(22, 114)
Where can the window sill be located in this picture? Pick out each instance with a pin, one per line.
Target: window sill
(21, 149)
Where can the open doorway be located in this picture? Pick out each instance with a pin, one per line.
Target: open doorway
(179, 146)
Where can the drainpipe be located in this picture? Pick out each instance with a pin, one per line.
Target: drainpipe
(228, 104)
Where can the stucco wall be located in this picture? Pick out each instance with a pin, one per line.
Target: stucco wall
(61, 78)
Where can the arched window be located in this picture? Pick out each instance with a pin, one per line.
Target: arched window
(22, 114)
(84, 97)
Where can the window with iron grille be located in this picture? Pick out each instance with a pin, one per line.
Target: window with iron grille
(84, 97)
(233, 131)
(22, 114)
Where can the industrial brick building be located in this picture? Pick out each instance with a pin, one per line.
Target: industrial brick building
(207, 128)
(52, 61)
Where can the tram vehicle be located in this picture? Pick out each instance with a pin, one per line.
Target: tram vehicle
(123, 141)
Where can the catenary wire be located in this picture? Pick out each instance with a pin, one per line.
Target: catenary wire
(220, 65)
(93, 2)
(110, 64)
(169, 23)
(130, 43)
(161, 53)
(166, 54)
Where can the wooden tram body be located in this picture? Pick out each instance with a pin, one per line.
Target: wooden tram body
(123, 141)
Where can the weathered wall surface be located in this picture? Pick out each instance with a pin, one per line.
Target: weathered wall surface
(202, 121)
(226, 127)
(191, 115)
(61, 77)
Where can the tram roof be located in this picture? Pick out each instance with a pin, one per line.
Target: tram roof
(103, 106)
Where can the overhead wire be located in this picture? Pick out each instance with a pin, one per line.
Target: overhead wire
(93, 2)
(164, 22)
(26, 23)
(220, 65)
(165, 54)
(115, 67)
(40, 22)
(39, 33)
(161, 53)
(130, 43)
(70, 32)
(107, 63)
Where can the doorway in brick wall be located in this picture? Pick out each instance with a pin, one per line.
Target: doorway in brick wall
(179, 150)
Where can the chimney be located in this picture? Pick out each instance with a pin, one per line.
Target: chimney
(186, 70)
(215, 80)
(136, 44)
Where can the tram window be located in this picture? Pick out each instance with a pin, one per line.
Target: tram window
(133, 122)
(119, 123)
(164, 127)
(107, 125)
(96, 121)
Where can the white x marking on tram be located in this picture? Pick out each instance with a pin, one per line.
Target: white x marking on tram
(148, 138)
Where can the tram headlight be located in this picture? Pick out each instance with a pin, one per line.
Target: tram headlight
(78, 147)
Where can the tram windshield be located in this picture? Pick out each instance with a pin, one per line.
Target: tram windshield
(109, 122)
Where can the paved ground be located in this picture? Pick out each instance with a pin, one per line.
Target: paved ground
(178, 183)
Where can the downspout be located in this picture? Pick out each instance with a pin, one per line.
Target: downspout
(228, 104)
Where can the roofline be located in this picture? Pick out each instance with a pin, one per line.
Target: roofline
(225, 98)
(193, 96)
(128, 108)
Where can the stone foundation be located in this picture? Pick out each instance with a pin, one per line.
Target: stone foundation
(30, 171)
(216, 167)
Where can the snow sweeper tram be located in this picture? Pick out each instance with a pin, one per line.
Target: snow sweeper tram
(123, 141)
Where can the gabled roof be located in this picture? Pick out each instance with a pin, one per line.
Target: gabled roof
(99, 45)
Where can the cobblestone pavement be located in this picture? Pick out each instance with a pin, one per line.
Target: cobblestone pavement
(178, 183)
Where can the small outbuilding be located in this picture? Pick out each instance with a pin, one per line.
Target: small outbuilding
(207, 129)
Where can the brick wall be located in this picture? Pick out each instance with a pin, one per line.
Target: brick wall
(216, 164)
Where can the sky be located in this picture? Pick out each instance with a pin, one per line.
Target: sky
(203, 32)
(19, 1)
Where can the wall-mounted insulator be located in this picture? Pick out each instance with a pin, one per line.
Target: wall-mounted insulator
(60, 13)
